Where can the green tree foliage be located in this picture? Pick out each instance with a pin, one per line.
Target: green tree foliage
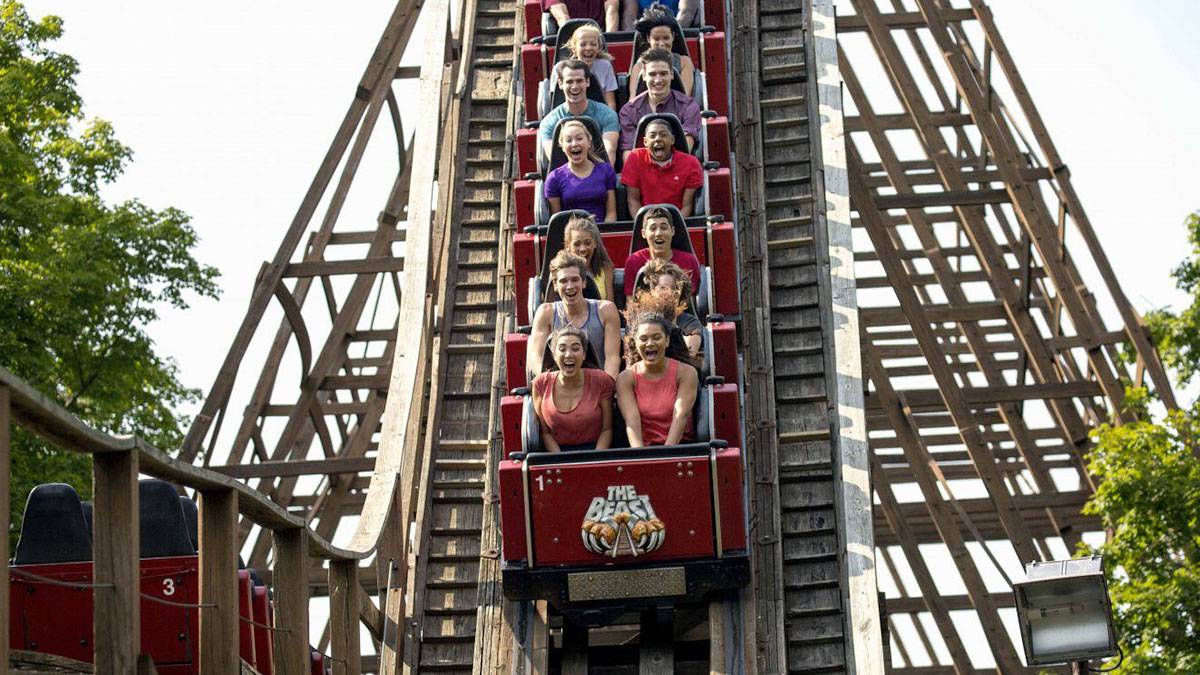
(80, 279)
(1148, 497)
(1178, 335)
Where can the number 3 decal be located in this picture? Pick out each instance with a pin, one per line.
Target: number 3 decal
(168, 586)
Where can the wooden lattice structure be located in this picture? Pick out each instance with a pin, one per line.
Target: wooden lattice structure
(989, 360)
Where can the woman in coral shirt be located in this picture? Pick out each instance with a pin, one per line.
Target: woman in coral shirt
(573, 403)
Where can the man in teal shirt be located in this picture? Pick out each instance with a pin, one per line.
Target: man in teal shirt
(574, 76)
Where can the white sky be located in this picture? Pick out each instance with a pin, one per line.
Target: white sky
(229, 108)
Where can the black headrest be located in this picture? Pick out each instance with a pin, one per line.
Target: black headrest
(672, 120)
(561, 53)
(680, 241)
(554, 238)
(558, 157)
(164, 528)
(87, 515)
(191, 516)
(53, 529)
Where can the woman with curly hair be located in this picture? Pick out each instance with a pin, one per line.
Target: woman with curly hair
(663, 277)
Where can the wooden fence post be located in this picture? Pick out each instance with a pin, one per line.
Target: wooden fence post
(343, 617)
(219, 648)
(5, 508)
(117, 631)
(290, 578)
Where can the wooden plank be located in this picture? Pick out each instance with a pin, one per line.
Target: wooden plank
(319, 268)
(116, 622)
(902, 121)
(219, 623)
(768, 633)
(840, 329)
(925, 200)
(291, 651)
(989, 396)
(308, 467)
(852, 23)
(343, 617)
(5, 516)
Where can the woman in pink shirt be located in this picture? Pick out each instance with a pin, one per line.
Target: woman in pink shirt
(657, 391)
(573, 403)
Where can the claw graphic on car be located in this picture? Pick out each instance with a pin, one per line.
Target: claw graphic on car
(622, 523)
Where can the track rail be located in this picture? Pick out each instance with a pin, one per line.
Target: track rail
(798, 561)
(450, 516)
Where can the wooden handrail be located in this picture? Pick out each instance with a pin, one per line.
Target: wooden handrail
(48, 420)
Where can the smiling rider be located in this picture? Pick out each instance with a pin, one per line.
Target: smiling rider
(656, 174)
(658, 230)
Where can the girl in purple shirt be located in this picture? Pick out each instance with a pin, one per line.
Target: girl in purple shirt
(584, 182)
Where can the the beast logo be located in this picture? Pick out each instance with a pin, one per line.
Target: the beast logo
(623, 523)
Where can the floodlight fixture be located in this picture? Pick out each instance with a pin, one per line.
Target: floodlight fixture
(1064, 612)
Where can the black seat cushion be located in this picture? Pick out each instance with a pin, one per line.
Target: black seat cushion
(191, 515)
(53, 529)
(163, 527)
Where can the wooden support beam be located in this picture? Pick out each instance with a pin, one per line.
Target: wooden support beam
(898, 524)
(307, 467)
(656, 654)
(115, 546)
(343, 617)
(219, 621)
(925, 200)
(5, 517)
(1133, 322)
(1027, 204)
(575, 649)
(854, 23)
(920, 399)
(291, 601)
(948, 388)
(940, 512)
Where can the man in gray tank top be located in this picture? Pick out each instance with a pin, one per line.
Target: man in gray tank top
(599, 319)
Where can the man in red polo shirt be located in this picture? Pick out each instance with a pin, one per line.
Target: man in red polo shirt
(656, 174)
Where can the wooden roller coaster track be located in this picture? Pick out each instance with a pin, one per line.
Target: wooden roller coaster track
(916, 390)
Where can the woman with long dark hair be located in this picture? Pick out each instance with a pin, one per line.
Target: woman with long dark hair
(573, 402)
(658, 389)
